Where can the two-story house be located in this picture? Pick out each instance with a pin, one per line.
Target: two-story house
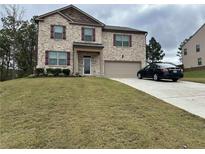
(193, 50)
(70, 38)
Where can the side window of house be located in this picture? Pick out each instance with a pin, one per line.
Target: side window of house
(199, 61)
(122, 40)
(88, 34)
(58, 32)
(185, 52)
(197, 48)
(57, 58)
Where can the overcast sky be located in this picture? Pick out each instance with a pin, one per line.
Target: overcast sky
(169, 24)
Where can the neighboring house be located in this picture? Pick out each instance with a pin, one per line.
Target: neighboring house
(70, 38)
(193, 51)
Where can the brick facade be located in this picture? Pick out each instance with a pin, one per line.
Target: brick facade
(73, 34)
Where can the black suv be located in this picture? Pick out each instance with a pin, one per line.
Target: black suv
(161, 70)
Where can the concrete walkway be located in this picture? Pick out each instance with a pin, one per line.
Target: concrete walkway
(189, 96)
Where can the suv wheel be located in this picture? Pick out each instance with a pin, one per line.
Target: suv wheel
(155, 77)
(139, 76)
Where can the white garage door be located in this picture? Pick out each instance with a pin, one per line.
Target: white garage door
(121, 69)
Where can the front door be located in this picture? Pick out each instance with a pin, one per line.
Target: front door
(87, 66)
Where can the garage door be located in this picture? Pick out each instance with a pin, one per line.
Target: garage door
(121, 69)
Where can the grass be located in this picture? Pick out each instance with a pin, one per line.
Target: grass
(195, 76)
(91, 113)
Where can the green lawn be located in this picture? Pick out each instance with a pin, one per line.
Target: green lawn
(91, 113)
(195, 76)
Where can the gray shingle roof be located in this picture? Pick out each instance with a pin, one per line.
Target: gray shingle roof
(105, 27)
(91, 45)
(120, 28)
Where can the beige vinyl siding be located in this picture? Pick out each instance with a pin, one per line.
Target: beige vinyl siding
(190, 60)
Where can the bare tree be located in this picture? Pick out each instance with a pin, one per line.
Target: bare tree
(11, 17)
(12, 10)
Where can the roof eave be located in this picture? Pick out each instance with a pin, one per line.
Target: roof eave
(87, 45)
(193, 35)
(125, 31)
(86, 24)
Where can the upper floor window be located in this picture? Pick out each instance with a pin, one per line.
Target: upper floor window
(197, 48)
(88, 34)
(122, 40)
(58, 32)
(185, 51)
(57, 58)
(199, 61)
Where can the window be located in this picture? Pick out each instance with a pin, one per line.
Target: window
(58, 32)
(197, 48)
(57, 58)
(185, 51)
(52, 58)
(199, 61)
(62, 58)
(147, 67)
(166, 65)
(153, 66)
(88, 34)
(122, 40)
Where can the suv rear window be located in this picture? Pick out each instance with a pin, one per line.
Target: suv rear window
(166, 65)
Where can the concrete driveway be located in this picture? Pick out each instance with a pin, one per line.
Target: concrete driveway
(189, 96)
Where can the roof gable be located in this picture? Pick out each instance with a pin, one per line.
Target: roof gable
(187, 40)
(73, 15)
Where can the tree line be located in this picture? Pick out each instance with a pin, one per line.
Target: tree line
(18, 43)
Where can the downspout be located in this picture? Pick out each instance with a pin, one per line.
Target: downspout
(73, 60)
(146, 47)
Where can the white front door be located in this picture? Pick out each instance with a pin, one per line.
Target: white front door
(87, 66)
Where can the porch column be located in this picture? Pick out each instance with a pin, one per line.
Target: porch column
(101, 63)
(75, 61)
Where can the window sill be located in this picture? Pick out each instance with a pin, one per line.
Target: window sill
(87, 41)
(57, 65)
(58, 39)
(122, 46)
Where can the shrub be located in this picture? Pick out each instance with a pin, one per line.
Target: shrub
(61, 74)
(39, 71)
(66, 72)
(53, 71)
(57, 71)
(49, 70)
